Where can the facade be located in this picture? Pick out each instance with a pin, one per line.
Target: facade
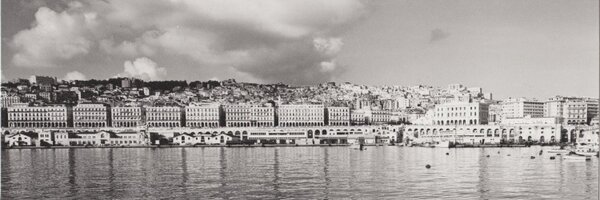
(90, 116)
(495, 114)
(486, 134)
(301, 115)
(592, 109)
(238, 115)
(24, 116)
(8, 101)
(199, 116)
(532, 120)
(380, 117)
(514, 108)
(337, 116)
(575, 112)
(461, 113)
(262, 116)
(20, 139)
(126, 116)
(553, 108)
(163, 116)
(358, 117)
(101, 138)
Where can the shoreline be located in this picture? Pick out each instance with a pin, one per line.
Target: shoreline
(258, 146)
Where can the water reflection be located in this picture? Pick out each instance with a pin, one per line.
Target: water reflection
(293, 172)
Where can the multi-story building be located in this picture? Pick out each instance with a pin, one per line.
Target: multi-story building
(575, 112)
(514, 108)
(337, 116)
(495, 113)
(205, 115)
(301, 115)
(358, 117)
(24, 116)
(380, 117)
(262, 116)
(7, 101)
(592, 109)
(553, 108)
(126, 116)
(461, 113)
(237, 115)
(163, 116)
(90, 115)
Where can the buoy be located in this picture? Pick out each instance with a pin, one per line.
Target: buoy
(532, 157)
(427, 166)
(447, 153)
(498, 152)
(552, 157)
(508, 155)
(487, 156)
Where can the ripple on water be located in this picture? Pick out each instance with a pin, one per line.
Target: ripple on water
(294, 172)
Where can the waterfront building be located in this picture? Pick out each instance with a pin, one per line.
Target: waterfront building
(101, 138)
(203, 115)
(575, 112)
(380, 117)
(337, 116)
(486, 134)
(554, 108)
(262, 116)
(301, 115)
(532, 120)
(163, 116)
(21, 139)
(514, 108)
(495, 114)
(90, 115)
(237, 115)
(358, 117)
(461, 113)
(592, 109)
(24, 116)
(126, 116)
(189, 139)
(9, 100)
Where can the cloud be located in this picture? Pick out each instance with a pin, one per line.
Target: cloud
(143, 68)
(74, 75)
(437, 35)
(54, 37)
(270, 40)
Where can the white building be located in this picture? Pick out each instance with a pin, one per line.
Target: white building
(301, 115)
(126, 116)
(514, 108)
(20, 139)
(24, 116)
(163, 116)
(461, 113)
(90, 115)
(204, 115)
(338, 116)
(101, 138)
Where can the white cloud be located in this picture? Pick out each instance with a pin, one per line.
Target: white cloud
(269, 40)
(327, 66)
(74, 75)
(329, 46)
(145, 69)
(54, 37)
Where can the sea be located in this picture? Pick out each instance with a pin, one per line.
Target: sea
(379, 172)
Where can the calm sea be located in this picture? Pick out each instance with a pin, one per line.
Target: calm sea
(294, 172)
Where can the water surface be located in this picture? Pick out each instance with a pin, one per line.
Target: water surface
(294, 172)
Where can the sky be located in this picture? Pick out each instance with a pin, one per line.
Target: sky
(512, 48)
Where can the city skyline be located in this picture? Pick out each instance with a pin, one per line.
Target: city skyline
(513, 49)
